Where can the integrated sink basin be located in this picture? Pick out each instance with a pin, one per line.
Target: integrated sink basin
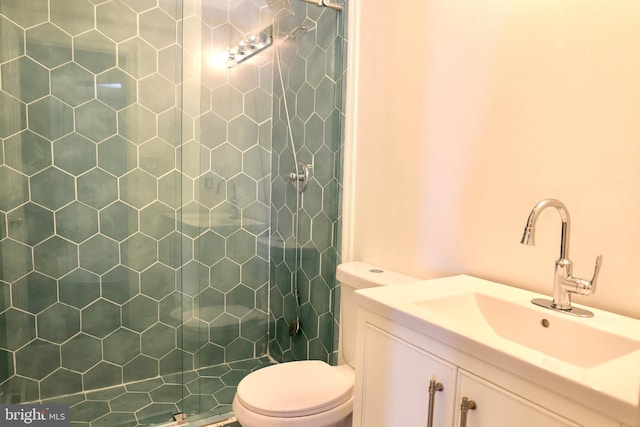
(594, 360)
(568, 339)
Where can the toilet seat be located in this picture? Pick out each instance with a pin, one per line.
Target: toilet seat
(295, 389)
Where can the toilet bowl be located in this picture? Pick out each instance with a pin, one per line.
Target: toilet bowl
(312, 393)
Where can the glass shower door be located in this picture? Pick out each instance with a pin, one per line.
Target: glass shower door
(90, 250)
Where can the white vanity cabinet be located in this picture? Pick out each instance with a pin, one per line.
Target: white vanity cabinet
(397, 381)
(395, 366)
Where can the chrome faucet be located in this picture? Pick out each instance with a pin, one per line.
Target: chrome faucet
(564, 284)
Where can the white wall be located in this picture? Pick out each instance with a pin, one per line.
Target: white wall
(466, 113)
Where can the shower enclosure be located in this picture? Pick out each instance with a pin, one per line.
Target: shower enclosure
(153, 246)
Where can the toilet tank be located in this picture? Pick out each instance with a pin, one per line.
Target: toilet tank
(353, 276)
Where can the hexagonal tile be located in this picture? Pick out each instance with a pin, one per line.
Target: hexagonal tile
(12, 38)
(156, 93)
(26, 14)
(213, 130)
(211, 190)
(99, 254)
(137, 57)
(314, 133)
(37, 359)
(138, 188)
(195, 278)
(117, 155)
(116, 20)
(209, 248)
(79, 288)
(6, 364)
(139, 313)
(239, 349)
(305, 102)
(245, 78)
(169, 61)
(52, 188)
(121, 346)
(175, 189)
(195, 158)
(61, 382)
(140, 5)
(77, 222)
(27, 152)
(241, 246)
(55, 257)
(255, 162)
(225, 329)
(157, 220)
(258, 105)
(30, 224)
(25, 79)
(49, 45)
(120, 284)
(74, 154)
(102, 375)
(209, 304)
(194, 334)
(116, 89)
(243, 132)
(72, 84)
(50, 118)
(209, 355)
(245, 16)
(73, 16)
(158, 281)
(94, 51)
(157, 157)
(17, 260)
(225, 275)
(119, 221)
(175, 249)
(136, 123)
(15, 117)
(139, 252)
(58, 323)
(227, 101)
(96, 121)
(97, 188)
(157, 28)
(171, 129)
(15, 190)
(140, 368)
(226, 160)
(158, 340)
(325, 98)
(20, 329)
(101, 318)
(5, 296)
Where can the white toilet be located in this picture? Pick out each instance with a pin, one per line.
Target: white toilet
(312, 393)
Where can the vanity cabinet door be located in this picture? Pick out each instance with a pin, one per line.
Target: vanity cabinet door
(395, 389)
(495, 406)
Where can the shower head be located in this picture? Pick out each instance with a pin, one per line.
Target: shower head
(281, 9)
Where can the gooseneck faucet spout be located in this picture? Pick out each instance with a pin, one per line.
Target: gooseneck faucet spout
(564, 284)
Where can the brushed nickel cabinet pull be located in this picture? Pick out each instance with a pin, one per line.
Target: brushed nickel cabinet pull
(433, 388)
(465, 407)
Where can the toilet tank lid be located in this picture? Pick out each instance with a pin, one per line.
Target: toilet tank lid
(360, 275)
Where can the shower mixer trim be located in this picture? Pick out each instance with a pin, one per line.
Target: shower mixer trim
(301, 176)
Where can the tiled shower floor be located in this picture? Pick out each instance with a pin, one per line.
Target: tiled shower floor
(206, 392)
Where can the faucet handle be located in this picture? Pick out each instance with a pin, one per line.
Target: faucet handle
(596, 272)
(583, 286)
